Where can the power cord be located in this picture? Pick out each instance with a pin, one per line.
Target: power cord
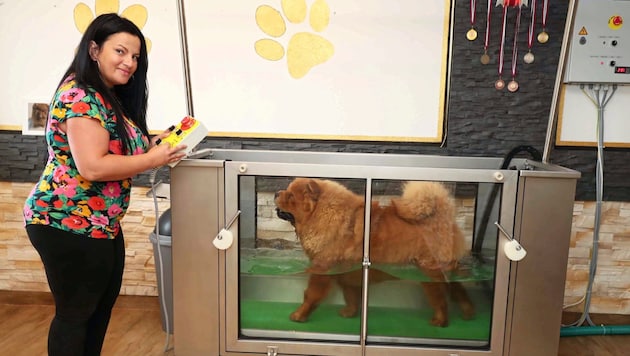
(152, 178)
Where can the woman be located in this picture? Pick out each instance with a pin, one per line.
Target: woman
(97, 140)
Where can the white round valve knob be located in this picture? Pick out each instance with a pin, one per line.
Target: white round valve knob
(223, 240)
(514, 251)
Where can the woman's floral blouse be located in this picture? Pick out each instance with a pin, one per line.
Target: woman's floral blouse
(63, 199)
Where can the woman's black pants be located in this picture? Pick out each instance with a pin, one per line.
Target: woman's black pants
(85, 276)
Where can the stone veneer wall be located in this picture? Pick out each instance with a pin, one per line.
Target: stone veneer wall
(21, 269)
(611, 288)
(20, 265)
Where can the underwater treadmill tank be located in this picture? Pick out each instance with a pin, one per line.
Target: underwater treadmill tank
(462, 257)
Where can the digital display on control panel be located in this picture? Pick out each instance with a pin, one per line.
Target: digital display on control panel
(622, 70)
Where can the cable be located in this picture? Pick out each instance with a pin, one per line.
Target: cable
(152, 177)
(565, 306)
(599, 100)
(485, 217)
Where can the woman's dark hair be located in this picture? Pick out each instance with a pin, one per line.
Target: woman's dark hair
(131, 98)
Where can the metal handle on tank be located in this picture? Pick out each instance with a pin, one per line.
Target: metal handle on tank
(512, 249)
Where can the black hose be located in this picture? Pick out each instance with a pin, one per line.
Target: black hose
(536, 156)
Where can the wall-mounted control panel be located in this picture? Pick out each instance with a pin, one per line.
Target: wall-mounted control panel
(599, 46)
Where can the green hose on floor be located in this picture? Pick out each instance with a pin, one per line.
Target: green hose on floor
(595, 330)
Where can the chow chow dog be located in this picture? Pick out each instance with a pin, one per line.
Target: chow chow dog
(417, 228)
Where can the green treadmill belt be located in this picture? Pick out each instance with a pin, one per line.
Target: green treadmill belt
(382, 321)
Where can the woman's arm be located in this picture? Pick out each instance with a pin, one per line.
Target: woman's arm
(89, 144)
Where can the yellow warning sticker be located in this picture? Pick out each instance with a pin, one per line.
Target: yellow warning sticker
(583, 32)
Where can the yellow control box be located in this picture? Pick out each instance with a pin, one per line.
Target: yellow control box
(189, 132)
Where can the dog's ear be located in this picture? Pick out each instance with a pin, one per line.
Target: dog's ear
(311, 192)
(313, 189)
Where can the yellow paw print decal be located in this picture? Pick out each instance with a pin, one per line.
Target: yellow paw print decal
(135, 13)
(305, 50)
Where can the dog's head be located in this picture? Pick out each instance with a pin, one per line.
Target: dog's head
(298, 201)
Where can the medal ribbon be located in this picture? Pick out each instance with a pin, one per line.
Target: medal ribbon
(473, 10)
(502, 41)
(530, 34)
(485, 44)
(514, 47)
(544, 13)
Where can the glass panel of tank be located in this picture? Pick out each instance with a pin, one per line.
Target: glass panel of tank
(432, 263)
(428, 283)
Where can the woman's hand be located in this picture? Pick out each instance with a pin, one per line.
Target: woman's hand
(164, 154)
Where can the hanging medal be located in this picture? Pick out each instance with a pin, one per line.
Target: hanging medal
(471, 35)
(513, 84)
(529, 56)
(543, 36)
(500, 84)
(485, 58)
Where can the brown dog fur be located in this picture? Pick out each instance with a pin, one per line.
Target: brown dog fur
(417, 228)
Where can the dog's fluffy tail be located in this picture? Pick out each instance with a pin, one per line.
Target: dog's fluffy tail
(421, 200)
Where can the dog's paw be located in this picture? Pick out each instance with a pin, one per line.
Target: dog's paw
(348, 312)
(440, 322)
(298, 317)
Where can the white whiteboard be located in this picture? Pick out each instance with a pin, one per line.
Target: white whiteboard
(385, 79)
(38, 41)
(577, 118)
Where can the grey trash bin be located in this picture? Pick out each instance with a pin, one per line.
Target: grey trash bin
(163, 243)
